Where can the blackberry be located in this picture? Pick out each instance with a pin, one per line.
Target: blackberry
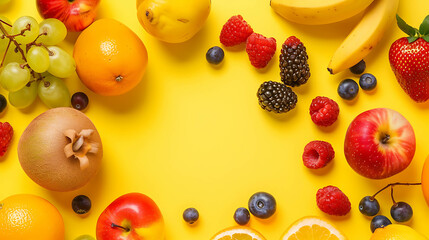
(277, 97)
(294, 69)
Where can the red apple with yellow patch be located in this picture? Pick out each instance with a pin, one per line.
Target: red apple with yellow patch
(379, 143)
(133, 216)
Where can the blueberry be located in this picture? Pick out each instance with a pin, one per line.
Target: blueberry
(3, 103)
(191, 215)
(215, 55)
(401, 212)
(359, 68)
(348, 89)
(242, 216)
(369, 206)
(367, 81)
(379, 221)
(81, 204)
(262, 205)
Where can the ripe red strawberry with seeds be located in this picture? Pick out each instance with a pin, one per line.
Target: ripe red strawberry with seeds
(408, 58)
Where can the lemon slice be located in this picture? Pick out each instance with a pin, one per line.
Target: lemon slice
(312, 228)
(238, 233)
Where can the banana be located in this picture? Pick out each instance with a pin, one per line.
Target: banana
(317, 12)
(365, 36)
(173, 21)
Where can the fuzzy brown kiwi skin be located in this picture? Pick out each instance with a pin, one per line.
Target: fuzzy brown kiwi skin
(41, 151)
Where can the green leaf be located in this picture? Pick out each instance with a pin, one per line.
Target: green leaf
(426, 38)
(405, 27)
(424, 27)
(412, 39)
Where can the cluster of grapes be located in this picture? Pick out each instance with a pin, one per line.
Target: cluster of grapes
(32, 65)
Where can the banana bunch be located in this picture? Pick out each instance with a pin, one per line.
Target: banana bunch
(363, 38)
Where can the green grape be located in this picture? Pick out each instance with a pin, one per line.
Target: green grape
(4, 41)
(55, 29)
(53, 92)
(21, 24)
(62, 65)
(4, 2)
(23, 97)
(38, 59)
(12, 56)
(13, 77)
(85, 237)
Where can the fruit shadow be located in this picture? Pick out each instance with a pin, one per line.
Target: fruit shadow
(129, 101)
(282, 117)
(303, 89)
(92, 189)
(354, 100)
(324, 170)
(5, 8)
(72, 37)
(331, 128)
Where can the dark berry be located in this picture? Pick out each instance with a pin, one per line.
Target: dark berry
(369, 206)
(215, 55)
(3, 103)
(81, 204)
(294, 68)
(379, 221)
(191, 215)
(348, 89)
(276, 97)
(359, 68)
(401, 212)
(367, 81)
(79, 101)
(262, 205)
(242, 216)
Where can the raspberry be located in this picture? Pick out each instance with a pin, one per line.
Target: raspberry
(260, 49)
(324, 111)
(6, 133)
(235, 31)
(333, 201)
(317, 154)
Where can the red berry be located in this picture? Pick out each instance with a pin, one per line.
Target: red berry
(292, 41)
(6, 133)
(260, 49)
(317, 154)
(333, 201)
(324, 111)
(409, 62)
(235, 31)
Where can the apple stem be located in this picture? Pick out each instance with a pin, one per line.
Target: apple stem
(392, 185)
(118, 226)
(385, 138)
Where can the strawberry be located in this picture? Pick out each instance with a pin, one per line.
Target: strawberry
(408, 58)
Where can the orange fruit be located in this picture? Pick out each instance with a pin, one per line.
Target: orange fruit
(25, 216)
(312, 228)
(238, 233)
(425, 180)
(396, 232)
(110, 58)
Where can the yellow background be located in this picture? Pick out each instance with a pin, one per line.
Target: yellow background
(193, 135)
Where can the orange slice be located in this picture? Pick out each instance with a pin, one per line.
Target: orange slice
(238, 233)
(312, 228)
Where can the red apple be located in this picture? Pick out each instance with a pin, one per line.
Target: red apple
(133, 216)
(379, 143)
(75, 14)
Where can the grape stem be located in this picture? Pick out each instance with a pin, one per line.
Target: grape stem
(391, 185)
(391, 195)
(4, 55)
(10, 25)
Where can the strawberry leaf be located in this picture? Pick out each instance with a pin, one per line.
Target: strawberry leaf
(426, 38)
(405, 27)
(412, 39)
(424, 27)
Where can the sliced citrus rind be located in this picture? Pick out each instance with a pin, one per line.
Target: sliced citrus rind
(312, 228)
(238, 233)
